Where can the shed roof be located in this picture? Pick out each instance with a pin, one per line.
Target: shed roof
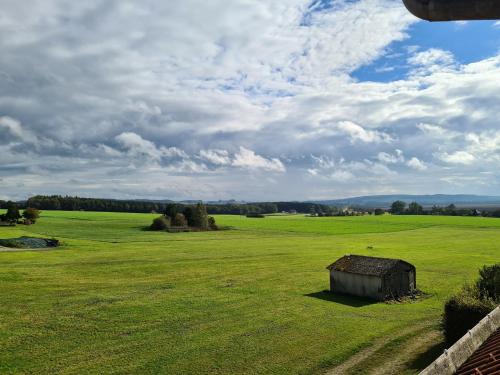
(365, 265)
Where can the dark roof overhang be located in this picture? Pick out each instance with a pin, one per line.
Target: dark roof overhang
(454, 10)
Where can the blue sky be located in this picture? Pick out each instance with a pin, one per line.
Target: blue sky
(252, 100)
(467, 41)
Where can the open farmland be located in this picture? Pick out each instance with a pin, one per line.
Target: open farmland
(118, 299)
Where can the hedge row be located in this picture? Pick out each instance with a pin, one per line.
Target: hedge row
(464, 310)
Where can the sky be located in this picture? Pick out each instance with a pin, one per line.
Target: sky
(245, 99)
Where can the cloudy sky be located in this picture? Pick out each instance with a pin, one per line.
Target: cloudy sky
(244, 99)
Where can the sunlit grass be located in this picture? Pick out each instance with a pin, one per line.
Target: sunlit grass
(117, 299)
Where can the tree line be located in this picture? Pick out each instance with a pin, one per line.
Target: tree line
(414, 208)
(68, 203)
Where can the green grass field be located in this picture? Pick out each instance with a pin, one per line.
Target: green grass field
(118, 299)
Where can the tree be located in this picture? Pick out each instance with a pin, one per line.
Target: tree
(31, 214)
(415, 209)
(173, 209)
(378, 211)
(398, 207)
(189, 214)
(200, 217)
(450, 210)
(179, 220)
(12, 215)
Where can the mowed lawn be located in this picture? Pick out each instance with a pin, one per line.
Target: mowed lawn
(118, 299)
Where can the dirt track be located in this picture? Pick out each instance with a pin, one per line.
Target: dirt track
(420, 338)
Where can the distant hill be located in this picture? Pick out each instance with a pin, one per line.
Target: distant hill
(384, 201)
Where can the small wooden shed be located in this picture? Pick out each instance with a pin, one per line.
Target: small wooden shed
(377, 278)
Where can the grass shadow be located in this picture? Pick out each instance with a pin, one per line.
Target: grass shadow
(426, 358)
(343, 299)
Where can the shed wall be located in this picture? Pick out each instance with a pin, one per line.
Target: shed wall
(400, 281)
(356, 284)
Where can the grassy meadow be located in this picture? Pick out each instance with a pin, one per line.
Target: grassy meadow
(116, 298)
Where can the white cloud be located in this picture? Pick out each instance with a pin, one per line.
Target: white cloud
(324, 162)
(458, 157)
(246, 158)
(416, 164)
(12, 125)
(486, 144)
(432, 56)
(386, 158)
(431, 61)
(385, 69)
(21, 133)
(138, 146)
(341, 176)
(219, 157)
(349, 171)
(433, 130)
(358, 133)
(341, 129)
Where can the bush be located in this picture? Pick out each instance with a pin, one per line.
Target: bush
(31, 215)
(160, 223)
(12, 215)
(489, 282)
(211, 223)
(463, 311)
(379, 211)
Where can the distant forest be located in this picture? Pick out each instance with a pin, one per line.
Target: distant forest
(65, 203)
